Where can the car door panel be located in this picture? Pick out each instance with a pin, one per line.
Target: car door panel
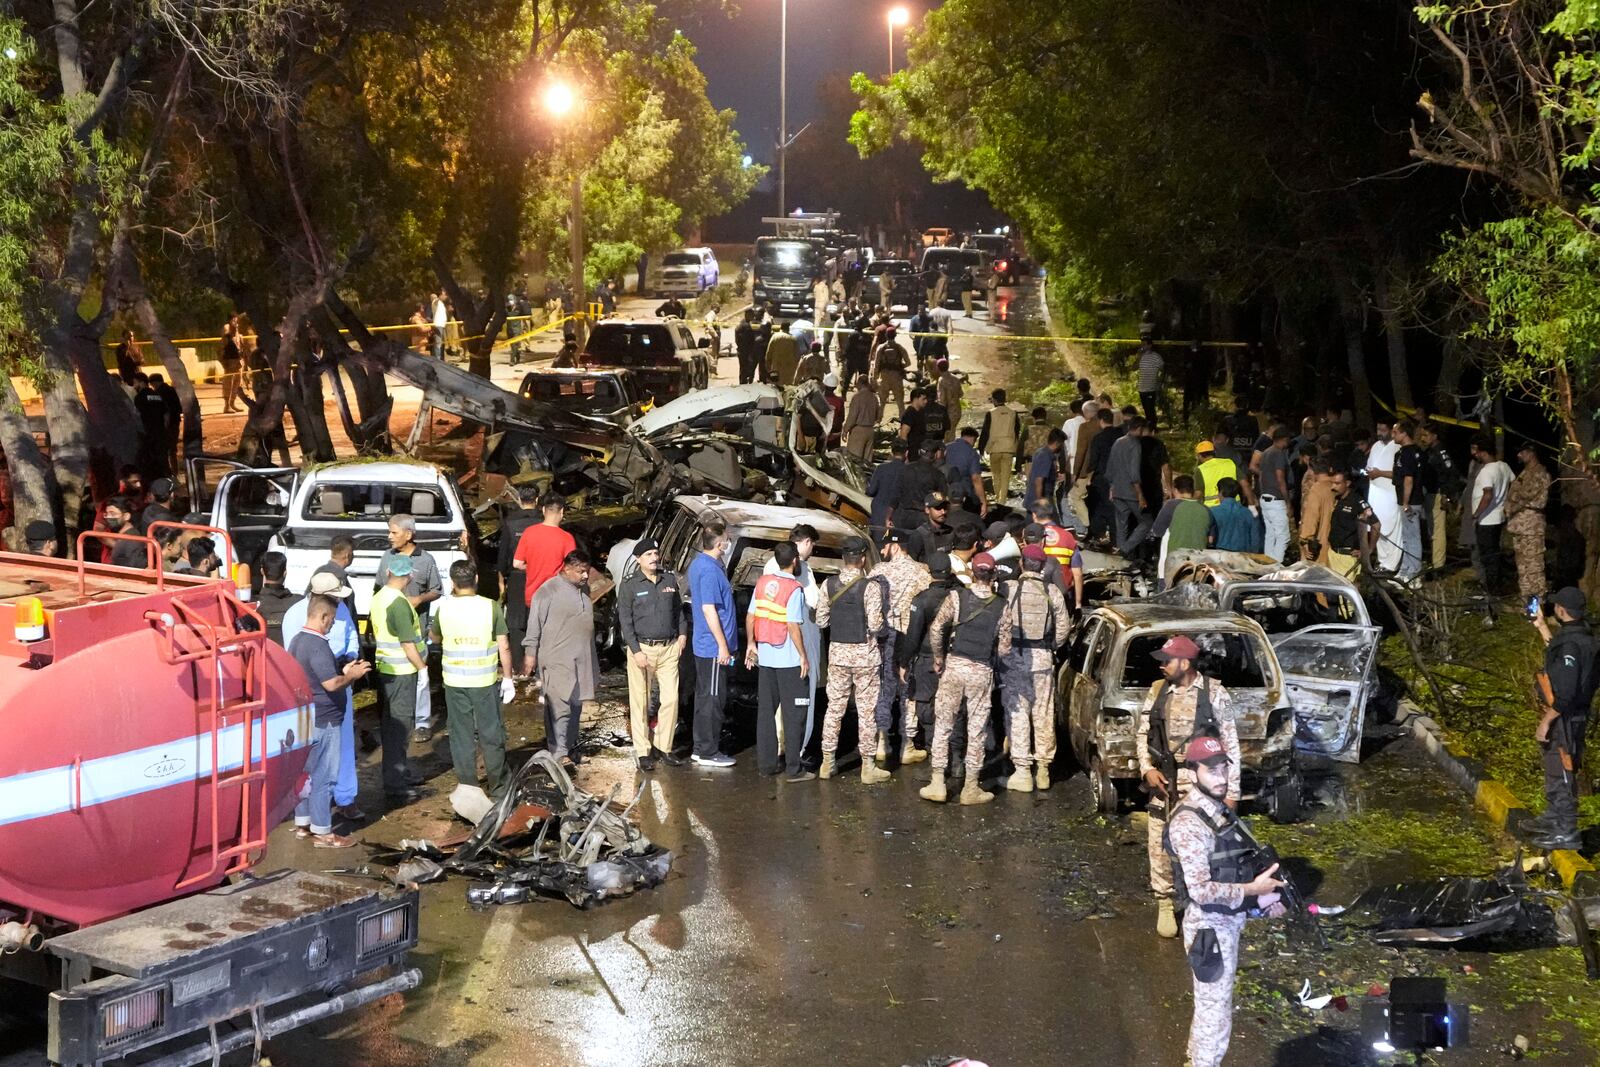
(1327, 671)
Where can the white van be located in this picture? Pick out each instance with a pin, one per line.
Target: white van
(299, 511)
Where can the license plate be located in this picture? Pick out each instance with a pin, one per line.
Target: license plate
(201, 983)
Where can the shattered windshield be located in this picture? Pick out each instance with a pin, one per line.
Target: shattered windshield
(1285, 610)
(1234, 659)
(844, 466)
(1330, 655)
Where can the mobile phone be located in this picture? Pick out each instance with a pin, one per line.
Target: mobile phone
(1534, 607)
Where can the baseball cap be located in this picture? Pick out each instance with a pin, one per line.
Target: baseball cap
(326, 582)
(997, 531)
(643, 545)
(938, 562)
(1571, 598)
(983, 562)
(1205, 750)
(936, 500)
(854, 546)
(830, 380)
(1202, 447)
(162, 487)
(897, 537)
(39, 530)
(1179, 647)
(400, 565)
(1034, 552)
(1033, 533)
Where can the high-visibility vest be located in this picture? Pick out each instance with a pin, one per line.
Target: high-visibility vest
(468, 655)
(1060, 544)
(1212, 471)
(391, 653)
(770, 606)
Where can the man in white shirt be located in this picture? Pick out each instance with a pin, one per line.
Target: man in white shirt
(441, 322)
(1382, 498)
(1488, 514)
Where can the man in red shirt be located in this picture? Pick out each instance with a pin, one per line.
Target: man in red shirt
(542, 548)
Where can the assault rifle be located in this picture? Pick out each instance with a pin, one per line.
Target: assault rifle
(1302, 920)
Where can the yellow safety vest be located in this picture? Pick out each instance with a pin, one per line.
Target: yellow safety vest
(1212, 471)
(468, 656)
(391, 652)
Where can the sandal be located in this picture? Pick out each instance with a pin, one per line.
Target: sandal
(332, 841)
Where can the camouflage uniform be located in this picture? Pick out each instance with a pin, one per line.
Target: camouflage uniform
(1180, 725)
(853, 668)
(1583, 497)
(1192, 840)
(1027, 675)
(966, 679)
(1525, 502)
(905, 578)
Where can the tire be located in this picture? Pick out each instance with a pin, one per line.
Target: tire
(1101, 788)
(1283, 800)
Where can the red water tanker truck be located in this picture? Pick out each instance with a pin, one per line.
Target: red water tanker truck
(153, 736)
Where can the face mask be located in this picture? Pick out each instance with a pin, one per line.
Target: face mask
(114, 524)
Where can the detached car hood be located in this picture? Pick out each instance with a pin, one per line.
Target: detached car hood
(703, 408)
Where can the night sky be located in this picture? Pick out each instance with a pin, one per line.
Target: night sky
(740, 56)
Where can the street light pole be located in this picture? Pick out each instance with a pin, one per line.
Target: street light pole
(560, 100)
(897, 16)
(783, 107)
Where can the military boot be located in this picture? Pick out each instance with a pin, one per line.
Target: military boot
(883, 749)
(828, 769)
(1021, 781)
(910, 753)
(973, 793)
(1166, 919)
(872, 774)
(1041, 777)
(934, 790)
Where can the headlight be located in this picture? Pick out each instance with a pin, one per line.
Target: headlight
(384, 930)
(131, 1016)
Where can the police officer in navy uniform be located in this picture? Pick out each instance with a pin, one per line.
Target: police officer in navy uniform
(1572, 674)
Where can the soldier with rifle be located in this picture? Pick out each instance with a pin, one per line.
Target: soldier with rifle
(1218, 885)
(1564, 691)
(1182, 706)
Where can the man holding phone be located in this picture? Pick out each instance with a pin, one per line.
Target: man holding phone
(1565, 690)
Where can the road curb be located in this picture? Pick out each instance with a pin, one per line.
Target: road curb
(1500, 804)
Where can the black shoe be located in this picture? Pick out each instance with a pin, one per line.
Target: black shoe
(668, 758)
(802, 775)
(403, 796)
(422, 735)
(1555, 840)
(645, 763)
(1535, 827)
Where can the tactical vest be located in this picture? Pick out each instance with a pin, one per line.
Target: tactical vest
(468, 655)
(848, 610)
(1033, 624)
(1003, 430)
(936, 420)
(770, 606)
(1211, 472)
(977, 626)
(391, 654)
(1229, 861)
(1205, 723)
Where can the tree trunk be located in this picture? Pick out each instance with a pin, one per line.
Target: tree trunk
(1394, 338)
(315, 441)
(33, 484)
(1449, 381)
(1353, 317)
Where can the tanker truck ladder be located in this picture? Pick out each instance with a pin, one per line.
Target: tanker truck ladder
(193, 638)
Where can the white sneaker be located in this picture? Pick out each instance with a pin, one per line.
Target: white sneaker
(719, 760)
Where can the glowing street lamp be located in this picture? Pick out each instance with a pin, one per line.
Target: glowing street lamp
(897, 17)
(560, 100)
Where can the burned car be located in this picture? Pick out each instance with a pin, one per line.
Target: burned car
(611, 395)
(666, 359)
(1317, 623)
(1109, 669)
(754, 530)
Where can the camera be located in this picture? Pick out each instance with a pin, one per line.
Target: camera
(1415, 1017)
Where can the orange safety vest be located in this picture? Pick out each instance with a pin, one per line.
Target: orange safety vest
(770, 606)
(1060, 544)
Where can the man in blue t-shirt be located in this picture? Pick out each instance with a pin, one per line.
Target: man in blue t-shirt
(715, 640)
(1236, 529)
(313, 816)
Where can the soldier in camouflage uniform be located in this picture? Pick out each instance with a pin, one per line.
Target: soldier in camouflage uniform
(852, 608)
(915, 654)
(1182, 705)
(903, 578)
(979, 629)
(1525, 521)
(1039, 625)
(1217, 893)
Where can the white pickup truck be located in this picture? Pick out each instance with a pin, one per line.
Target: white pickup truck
(299, 511)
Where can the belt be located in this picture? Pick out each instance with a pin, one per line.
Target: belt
(658, 640)
(1269, 499)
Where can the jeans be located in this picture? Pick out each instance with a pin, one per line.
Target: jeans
(1487, 559)
(1131, 528)
(1275, 516)
(1410, 542)
(424, 705)
(346, 786)
(711, 680)
(475, 724)
(437, 340)
(781, 691)
(315, 809)
(397, 695)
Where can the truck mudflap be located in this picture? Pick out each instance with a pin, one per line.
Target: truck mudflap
(228, 968)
